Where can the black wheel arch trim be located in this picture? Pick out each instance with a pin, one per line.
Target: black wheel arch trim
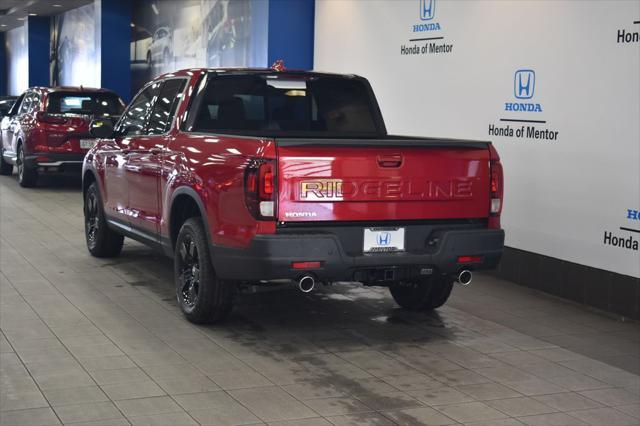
(185, 190)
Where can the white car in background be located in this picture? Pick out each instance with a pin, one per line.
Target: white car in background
(161, 47)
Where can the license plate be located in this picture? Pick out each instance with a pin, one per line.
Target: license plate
(87, 143)
(379, 240)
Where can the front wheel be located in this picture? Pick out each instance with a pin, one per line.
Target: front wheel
(202, 296)
(423, 295)
(102, 241)
(27, 176)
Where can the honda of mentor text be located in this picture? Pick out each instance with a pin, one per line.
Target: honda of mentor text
(255, 176)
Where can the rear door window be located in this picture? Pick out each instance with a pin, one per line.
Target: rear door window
(134, 119)
(166, 106)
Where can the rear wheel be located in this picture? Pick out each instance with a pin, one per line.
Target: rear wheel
(6, 169)
(202, 296)
(27, 176)
(422, 295)
(102, 241)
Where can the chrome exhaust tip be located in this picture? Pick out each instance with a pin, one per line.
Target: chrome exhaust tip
(464, 277)
(306, 284)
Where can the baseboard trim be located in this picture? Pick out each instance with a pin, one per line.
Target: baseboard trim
(608, 291)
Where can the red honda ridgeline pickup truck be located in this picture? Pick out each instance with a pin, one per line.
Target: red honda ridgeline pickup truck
(252, 176)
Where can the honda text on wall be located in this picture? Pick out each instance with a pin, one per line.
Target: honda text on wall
(47, 129)
(254, 176)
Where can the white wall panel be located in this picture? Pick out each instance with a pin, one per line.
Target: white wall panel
(562, 196)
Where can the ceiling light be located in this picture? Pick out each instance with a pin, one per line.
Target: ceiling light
(33, 14)
(56, 5)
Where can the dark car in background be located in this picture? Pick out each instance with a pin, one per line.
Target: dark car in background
(47, 129)
(6, 102)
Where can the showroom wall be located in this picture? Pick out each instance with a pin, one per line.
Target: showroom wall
(553, 84)
(75, 47)
(17, 60)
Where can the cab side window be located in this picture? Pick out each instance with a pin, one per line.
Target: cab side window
(166, 106)
(134, 119)
(16, 107)
(26, 104)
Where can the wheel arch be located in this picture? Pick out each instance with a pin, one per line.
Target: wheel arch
(185, 203)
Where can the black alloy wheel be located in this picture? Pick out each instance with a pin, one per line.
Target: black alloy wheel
(189, 277)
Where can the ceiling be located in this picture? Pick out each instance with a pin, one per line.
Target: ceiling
(14, 12)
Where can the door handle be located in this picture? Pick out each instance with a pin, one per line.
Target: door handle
(155, 151)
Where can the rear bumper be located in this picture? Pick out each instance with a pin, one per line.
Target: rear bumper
(55, 161)
(269, 257)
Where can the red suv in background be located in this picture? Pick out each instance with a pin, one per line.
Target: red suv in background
(47, 130)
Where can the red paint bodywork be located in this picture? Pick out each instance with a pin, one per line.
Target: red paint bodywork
(140, 176)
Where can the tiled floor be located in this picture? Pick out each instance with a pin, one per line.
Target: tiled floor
(88, 341)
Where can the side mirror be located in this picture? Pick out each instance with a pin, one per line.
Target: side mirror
(101, 129)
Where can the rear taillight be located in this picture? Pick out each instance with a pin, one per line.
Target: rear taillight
(496, 189)
(260, 189)
(44, 117)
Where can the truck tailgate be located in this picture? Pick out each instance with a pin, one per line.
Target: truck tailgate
(382, 180)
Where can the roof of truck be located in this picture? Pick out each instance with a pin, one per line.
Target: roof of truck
(249, 71)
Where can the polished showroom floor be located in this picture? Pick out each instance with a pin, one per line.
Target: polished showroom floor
(88, 341)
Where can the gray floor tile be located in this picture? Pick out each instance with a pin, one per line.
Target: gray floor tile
(30, 417)
(93, 411)
(419, 416)
(440, 396)
(534, 387)
(522, 406)
(71, 396)
(604, 416)
(567, 401)
(470, 411)
(553, 419)
(148, 406)
(337, 406)
(360, 419)
(611, 396)
(21, 400)
(412, 382)
(132, 390)
(272, 404)
(487, 391)
(167, 419)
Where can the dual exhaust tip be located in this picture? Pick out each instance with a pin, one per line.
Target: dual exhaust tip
(464, 277)
(307, 283)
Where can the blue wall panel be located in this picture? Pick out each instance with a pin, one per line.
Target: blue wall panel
(291, 33)
(116, 39)
(38, 28)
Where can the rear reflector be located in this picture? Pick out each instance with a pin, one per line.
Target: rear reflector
(266, 208)
(469, 259)
(305, 265)
(495, 205)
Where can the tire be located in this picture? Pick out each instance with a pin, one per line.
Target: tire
(27, 176)
(6, 169)
(102, 241)
(149, 62)
(423, 295)
(203, 297)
